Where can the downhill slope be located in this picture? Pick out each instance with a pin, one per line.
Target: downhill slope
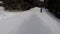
(28, 22)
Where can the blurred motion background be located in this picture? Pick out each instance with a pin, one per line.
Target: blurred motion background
(29, 22)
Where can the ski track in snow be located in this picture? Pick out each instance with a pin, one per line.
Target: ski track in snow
(28, 22)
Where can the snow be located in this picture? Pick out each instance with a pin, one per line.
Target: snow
(41, 0)
(28, 22)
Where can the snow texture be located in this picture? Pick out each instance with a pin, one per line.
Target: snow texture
(28, 22)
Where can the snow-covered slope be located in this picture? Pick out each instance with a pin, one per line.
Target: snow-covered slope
(28, 22)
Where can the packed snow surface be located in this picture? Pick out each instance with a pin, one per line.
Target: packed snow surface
(28, 22)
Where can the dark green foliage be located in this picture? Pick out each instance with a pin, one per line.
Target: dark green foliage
(21, 4)
(54, 7)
